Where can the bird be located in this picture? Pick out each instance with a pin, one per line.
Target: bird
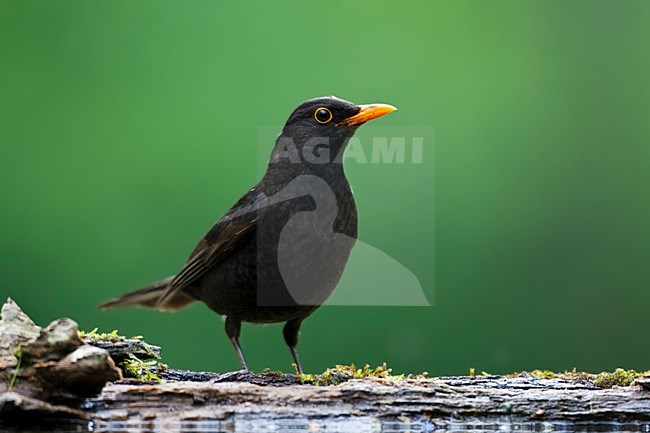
(278, 253)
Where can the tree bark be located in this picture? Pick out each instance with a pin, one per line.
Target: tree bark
(479, 399)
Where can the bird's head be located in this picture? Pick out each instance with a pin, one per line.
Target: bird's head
(324, 124)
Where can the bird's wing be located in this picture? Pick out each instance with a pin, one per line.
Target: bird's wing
(236, 226)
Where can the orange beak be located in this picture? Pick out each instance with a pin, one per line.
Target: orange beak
(368, 112)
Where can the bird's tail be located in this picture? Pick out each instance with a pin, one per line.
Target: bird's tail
(149, 297)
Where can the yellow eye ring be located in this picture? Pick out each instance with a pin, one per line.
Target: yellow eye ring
(322, 115)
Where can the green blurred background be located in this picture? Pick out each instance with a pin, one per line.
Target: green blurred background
(128, 128)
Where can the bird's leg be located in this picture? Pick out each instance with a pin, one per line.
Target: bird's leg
(291, 331)
(233, 326)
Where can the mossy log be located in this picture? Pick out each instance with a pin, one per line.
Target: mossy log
(46, 388)
(438, 400)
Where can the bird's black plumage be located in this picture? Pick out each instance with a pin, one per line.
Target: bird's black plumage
(279, 252)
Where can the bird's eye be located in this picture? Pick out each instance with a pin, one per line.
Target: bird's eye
(322, 115)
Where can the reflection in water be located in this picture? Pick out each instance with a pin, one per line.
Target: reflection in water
(344, 425)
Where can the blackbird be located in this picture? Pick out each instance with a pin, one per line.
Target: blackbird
(280, 251)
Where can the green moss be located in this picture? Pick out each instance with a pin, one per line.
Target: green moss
(142, 370)
(133, 366)
(150, 352)
(343, 373)
(543, 374)
(112, 337)
(268, 372)
(618, 377)
(18, 353)
(606, 379)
